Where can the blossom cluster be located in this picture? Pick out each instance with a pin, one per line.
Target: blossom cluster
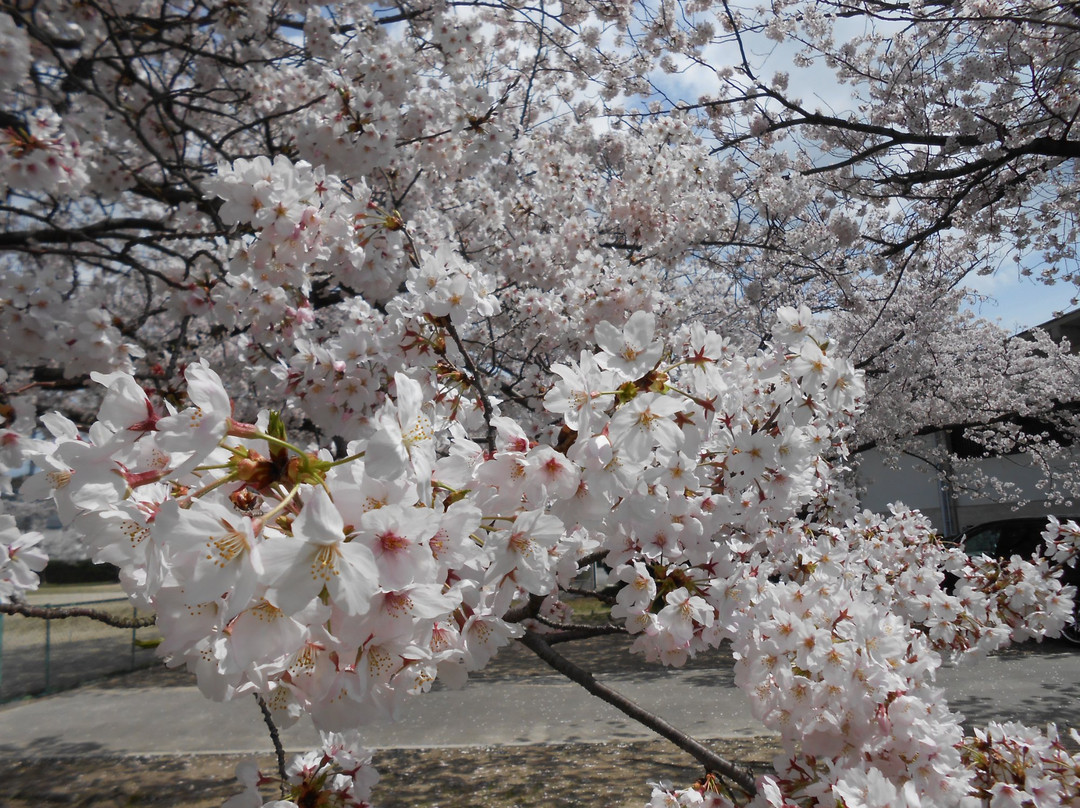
(845, 629)
(14, 53)
(1016, 765)
(335, 586)
(299, 222)
(961, 604)
(529, 307)
(38, 155)
(20, 560)
(38, 316)
(384, 569)
(297, 215)
(339, 774)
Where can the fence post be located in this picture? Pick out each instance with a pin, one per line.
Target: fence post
(1, 655)
(48, 649)
(18, 685)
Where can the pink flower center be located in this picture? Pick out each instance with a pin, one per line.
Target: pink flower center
(391, 542)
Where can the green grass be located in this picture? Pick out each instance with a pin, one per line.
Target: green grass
(589, 610)
(77, 589)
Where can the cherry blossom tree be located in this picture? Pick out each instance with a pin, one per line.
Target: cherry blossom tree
(353, 333)
(947, 153)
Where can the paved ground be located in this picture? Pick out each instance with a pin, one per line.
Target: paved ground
(539, 710)
(1036, 685)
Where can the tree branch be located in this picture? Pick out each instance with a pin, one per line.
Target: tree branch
(476, 382)
(91, 232)
(275, 737)
(712, 762)
(63, 612)
(582, 632)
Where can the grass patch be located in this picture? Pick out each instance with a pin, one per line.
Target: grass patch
(68, 591)
(589, 610)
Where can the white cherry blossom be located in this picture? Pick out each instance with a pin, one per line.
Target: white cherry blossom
(318, 555)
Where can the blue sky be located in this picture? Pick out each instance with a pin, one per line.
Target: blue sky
(1020, 303)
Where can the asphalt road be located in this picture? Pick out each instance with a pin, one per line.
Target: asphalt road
(1036, 686)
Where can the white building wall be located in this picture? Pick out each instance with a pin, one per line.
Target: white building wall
(915, 483)
(909, 480)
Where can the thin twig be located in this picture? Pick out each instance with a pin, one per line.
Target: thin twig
(275, 736)
(476, 382)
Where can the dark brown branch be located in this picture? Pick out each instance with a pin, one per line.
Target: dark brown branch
(582, 632)
(565, 632)
(712, 762)
(530, 608)
(477, 382)
(275, 737)
(63, 612)
(605, 595)
(1040, 146)
(592, 558)
(90, 232)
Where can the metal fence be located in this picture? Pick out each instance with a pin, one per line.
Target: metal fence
(43, 655)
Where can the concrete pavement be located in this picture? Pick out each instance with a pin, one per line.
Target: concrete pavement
(1035, 687)
(533, 710)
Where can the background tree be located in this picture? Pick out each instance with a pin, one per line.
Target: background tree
(951, 156)
(569, 177)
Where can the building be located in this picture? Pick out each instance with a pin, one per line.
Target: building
(916, 478)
